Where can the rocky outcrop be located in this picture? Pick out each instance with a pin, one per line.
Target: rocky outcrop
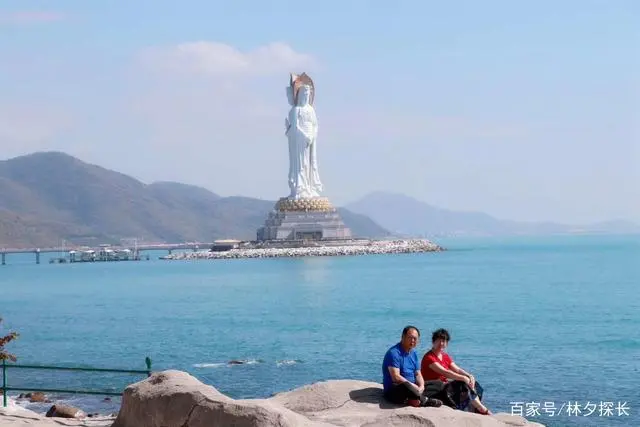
(176, 399)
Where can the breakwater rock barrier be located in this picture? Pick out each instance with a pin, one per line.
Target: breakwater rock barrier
(368, 247)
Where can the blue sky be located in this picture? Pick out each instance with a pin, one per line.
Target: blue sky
(524, 110)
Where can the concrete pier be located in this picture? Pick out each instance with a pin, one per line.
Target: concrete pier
(170, 247)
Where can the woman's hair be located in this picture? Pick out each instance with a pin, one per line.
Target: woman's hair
(440, 334)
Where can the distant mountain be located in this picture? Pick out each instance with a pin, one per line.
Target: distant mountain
(50, 196)
(402, 214)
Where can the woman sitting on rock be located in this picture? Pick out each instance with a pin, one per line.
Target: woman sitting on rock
(438, 369)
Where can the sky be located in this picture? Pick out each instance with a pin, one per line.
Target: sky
(523, 110)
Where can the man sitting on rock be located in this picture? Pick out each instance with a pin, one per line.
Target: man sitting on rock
(445, 380)
(401, 378)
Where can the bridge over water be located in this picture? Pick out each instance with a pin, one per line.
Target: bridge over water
(169, 247)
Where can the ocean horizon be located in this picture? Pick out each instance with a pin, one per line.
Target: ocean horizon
(548, 322)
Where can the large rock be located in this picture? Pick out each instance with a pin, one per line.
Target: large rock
(176, 399)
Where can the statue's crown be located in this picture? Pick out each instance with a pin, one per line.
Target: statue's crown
(297, 81)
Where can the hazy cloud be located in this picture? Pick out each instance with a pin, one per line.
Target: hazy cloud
(30, 17)
(211, 58)
(181, 100)
(428, 127)
(206, 110)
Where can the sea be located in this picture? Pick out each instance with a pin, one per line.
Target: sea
(550, 326)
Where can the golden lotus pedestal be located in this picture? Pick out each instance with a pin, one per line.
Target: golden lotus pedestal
(320, 204)
(303, 219)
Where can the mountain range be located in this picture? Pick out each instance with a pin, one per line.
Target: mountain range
(404, 215)
(48, 197)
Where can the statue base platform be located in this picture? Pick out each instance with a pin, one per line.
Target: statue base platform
(303, 219)
(320, 204)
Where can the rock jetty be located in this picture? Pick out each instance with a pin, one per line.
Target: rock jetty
(368, 247)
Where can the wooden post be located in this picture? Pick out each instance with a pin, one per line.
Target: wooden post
(4, 258)
(37, 256)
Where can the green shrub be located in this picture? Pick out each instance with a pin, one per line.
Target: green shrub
(4, 355)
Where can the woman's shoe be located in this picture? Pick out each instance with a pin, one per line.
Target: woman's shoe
(430, 401)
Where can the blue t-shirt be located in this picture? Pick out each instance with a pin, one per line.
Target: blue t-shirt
(407, 362)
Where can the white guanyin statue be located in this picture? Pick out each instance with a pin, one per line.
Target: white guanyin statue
(302, 132)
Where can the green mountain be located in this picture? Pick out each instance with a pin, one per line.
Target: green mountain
(50, 196)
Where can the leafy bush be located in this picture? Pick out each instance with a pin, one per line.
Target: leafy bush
(5, 340)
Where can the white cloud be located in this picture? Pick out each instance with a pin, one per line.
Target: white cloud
(203, 90)
(206, 110)
(210, 58)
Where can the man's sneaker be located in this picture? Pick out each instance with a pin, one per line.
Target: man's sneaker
(429, 401)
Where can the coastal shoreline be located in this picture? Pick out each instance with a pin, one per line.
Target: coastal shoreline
(309, 249)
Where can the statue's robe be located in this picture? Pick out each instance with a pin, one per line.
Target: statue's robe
(304, 180)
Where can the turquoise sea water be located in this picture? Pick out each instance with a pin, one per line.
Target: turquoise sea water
(537, 320)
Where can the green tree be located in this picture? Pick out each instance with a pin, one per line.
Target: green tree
(5, 340)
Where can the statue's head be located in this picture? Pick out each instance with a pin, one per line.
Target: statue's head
(304, 95)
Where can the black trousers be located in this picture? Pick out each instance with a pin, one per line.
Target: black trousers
(400, 393)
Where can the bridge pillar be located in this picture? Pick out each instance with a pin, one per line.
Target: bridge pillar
(37, 256)
(4, 258)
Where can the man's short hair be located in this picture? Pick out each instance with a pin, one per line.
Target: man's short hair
(408, 328)
(440, 334)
